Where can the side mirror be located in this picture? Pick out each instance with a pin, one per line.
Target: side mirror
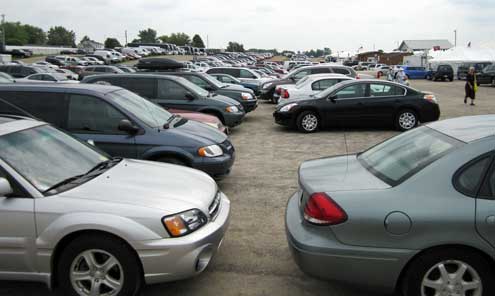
(5, 188)
(126, 126)
(208, 88)
(190, 96)
(332, 98)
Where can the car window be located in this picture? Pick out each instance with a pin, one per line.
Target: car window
(468, 179)
(301, 74)
(89, 114)
(341, 71)
(324, 84)
(385, 90)
(198, 81)
(170, 90)
(145, 87)
(36, 77)
(351, 91)
(48, 78)
(247, 74)
(320, 70)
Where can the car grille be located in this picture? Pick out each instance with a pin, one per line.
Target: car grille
(228, 147)
(214, 207)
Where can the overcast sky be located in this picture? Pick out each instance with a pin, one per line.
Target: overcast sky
(281, 24)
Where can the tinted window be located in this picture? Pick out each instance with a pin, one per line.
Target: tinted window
(324, 84)
(320, 70)
(145, 87)
(170, 90)
(341, 71)
(352, 91)
(92, 115)
(301, 74)
(470, 176)
(36, 77)
(48, 107)
(385, 90)
(198, 81)
(246, 74)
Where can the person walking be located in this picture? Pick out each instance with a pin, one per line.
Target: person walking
(401, 77)
(471, 86)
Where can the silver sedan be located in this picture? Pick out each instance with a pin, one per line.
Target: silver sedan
(414, 214)
(87, 224)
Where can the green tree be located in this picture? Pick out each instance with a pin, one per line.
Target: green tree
(198, 42)
(85, 38)
(112, 43)
(15, 34)
(36, 36)
(235, 47)
(164, 39)
(147, 36)
(60, 36)
(179, 39)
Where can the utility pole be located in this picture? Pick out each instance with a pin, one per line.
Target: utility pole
(125, 37)
(3, 33)
(207, 42)
(455, 38)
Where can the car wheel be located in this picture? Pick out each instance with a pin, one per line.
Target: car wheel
(172, 160)
(99, 265)
(493, 81)
(406, 120)
(451, 79)
(308, 122)
(449, 272)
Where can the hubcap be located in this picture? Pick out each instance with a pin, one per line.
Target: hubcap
(309, 122)
(96, 273)
(451, 278)
(407, 120)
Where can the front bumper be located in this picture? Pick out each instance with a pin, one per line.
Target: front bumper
(283, 118)
(173, 259)
(250, 105)
(318, 252)
(234, 119)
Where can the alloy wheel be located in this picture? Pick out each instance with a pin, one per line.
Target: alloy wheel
(407, 120)
(451, 278)
(96, 273)
(309, 122)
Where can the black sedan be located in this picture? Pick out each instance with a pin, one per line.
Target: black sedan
(362, 103)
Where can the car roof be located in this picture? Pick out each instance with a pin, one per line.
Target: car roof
(171, 77)
(327, 75)
(80, 88)
(468, 128)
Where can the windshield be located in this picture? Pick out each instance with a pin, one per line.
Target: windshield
(150, 113)
(193, 87)
(46, 156)
(400, 157)
(301, 82)
(59, 77)
(213, 81)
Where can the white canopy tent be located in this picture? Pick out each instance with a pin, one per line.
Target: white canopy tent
(456, 56)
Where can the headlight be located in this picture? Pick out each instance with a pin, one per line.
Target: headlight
(232, 109)
(210, 151)
(267, 85)
(184, 223)
(287, 107)
(246, 96)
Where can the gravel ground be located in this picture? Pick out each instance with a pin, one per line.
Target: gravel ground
(254, 258)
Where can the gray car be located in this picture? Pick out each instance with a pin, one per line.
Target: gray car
(87, 224)
(414, 214)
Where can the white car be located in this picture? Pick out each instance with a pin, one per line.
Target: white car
(45, 64)
(68, 73)
(72, 60)
(203, 67)
(46, 78)
(308, 86)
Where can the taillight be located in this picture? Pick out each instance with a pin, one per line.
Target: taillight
(278, 90)
(322, 210)
(285, 94)
(358, 77)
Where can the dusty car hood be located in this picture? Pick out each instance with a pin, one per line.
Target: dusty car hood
(340, 173)
(167, 187)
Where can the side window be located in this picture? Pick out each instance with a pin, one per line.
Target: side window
(341, 71)
(49, 107)
(246, 74)
(48, 78)
(214, 71)
(323, 84)
(301, 74)
(36, 77)
(468, 179)
(170, 90)
(352, 91)
(89, 114)
(320, 70)
(198, 81)
(380, 90)
(233, 72)
(144, 87)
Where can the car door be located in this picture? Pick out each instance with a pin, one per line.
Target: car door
(96, 121)
(379, 108)
(170, 94)
(17, 229)
(344, 107)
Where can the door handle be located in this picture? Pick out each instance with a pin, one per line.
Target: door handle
(490, 220)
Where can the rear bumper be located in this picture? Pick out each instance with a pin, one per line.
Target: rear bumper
(318, 252)
(267, 94)
(430, 112)
(173, 259)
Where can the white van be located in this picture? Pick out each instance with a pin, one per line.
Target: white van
(105, 54)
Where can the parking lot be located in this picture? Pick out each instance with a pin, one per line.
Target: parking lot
(254, 258)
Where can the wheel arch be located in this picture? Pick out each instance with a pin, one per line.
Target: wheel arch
(406, 267)
(215, 113)
(157, 153)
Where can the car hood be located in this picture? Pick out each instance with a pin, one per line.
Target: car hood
(340, 173)
(227, 100)
(200, 131)
(237, 88)
(150, 184)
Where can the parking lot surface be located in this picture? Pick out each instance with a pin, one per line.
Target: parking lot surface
(254, 258)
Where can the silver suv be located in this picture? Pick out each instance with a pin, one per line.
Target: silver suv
(75, 219)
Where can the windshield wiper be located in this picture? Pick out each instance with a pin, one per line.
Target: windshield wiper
(166, 125)
(63, 182)
(104, 165)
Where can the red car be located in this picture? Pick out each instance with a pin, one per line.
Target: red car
(201, 117)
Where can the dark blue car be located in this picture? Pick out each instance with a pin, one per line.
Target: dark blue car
(123, 124)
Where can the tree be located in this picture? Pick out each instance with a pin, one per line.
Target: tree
(112, 43)
(198, 42)
(147, 36)
(60, 36)
(164, 39)
(179, 39)
(15, 34)
(235, 47)
(85, 38)
(36, 36)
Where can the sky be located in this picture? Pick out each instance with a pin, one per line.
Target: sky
(342, 25)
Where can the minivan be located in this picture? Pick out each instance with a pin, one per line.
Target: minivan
(123, 124)
(177, 93)
(20, 71)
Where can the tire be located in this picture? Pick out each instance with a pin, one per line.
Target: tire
(126, 268)
(427, 268)
(308, 122)
(171, 160)
(406, 119)
(493, 81)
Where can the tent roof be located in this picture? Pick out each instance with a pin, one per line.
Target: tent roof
(463, 54)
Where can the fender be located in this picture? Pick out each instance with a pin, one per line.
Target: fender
(169, 150)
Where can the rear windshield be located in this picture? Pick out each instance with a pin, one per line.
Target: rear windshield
(400, 157)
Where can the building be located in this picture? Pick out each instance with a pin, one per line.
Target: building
(389, 58)
(90, 45)
(424, 45)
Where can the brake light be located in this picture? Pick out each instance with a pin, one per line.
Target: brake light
(431, 98)
(285, 94)
(358, 77)
(278, 90)
(322, 210)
